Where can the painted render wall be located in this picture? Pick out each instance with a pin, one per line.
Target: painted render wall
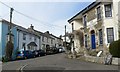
(28, 40)
(77, 24)
(4, 39)
(0, 40)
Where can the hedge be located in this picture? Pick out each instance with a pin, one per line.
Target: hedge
(114, 48)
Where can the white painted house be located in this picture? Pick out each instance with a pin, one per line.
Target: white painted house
(50, 40)
(46, 40)
(28, 39)
(58, 41)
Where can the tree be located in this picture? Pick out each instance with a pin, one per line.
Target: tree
(79, 33)
(9, 50)
(119, 27)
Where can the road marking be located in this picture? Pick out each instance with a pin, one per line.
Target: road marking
(21, 68)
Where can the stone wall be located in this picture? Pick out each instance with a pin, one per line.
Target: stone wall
(115, 61)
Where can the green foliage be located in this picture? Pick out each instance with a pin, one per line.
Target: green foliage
(119, 34)
(9, 50)
(114, 48)
(4, 59)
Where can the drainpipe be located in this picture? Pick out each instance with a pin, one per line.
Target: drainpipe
(18, 39)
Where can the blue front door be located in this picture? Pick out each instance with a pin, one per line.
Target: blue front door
(93, 41)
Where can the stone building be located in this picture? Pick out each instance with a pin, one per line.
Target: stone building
(99, 24)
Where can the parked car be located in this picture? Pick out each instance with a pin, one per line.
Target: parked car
(36, 52)
(39, 53)
(25, 54)
(54, 50)
(48, 50)
(60, 50)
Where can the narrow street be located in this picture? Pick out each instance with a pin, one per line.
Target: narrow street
(55, 62)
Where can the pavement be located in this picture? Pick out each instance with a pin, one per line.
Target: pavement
(58, 63)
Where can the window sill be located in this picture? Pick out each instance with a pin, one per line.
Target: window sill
(108, 17)
(100, 44)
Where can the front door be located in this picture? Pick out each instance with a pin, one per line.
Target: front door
(93, 44)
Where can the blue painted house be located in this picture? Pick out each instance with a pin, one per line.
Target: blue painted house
(3, 38)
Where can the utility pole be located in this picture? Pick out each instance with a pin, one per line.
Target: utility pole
(10, 25)
(65, 38)
(72, 36)
(65, 33)
(9, 45)
(74, 52)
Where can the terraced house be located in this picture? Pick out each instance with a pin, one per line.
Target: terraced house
(25, 39)
(22, 38)
(97, 25)
(28, 39)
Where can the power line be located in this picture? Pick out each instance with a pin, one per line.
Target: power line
(39, 21)
(50, 25)
(5, 4)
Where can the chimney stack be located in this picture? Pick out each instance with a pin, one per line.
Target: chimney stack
(32, 27)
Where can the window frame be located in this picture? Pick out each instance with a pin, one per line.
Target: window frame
(35, 38)
(100, 37)
(86, 43)
(47, 39)
(24, 36)
(51, 41)
(99, 13)
(30, 36)
(110, 35)
(43, 38)
(108, 11)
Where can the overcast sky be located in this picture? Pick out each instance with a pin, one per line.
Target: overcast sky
(47, 16)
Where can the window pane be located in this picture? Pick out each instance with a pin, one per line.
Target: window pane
(24, 36)
(108, 7)
(108, 10)
(85, 40)
(98, 13)
(110, 35)
(100, 36)
(108, 14)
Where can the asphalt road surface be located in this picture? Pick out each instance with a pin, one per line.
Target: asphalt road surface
(58, 63)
